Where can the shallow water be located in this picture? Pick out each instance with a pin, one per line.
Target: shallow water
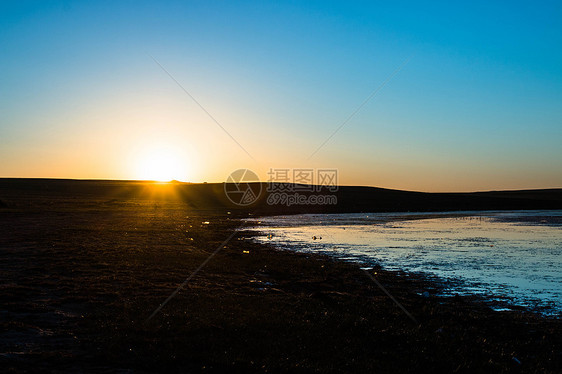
(515, 256)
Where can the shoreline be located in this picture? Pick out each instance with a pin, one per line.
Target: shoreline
(450, 286)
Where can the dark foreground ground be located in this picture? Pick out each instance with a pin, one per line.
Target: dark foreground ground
(80, 273)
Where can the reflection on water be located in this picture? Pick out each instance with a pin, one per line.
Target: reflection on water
(516, 255)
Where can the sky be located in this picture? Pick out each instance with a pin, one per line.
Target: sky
(467, 96)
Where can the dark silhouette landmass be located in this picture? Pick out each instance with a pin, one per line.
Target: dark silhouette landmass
(350, 199)
(83, 264)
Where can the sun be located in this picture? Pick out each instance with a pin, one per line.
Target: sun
(162, 164)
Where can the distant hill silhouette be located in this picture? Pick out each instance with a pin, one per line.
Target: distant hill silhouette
(212, 196)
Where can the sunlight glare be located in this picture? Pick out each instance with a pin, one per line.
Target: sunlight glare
(161, 164)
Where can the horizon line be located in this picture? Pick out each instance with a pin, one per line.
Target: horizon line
(265, 182)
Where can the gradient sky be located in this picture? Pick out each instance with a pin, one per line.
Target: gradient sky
(477, 106)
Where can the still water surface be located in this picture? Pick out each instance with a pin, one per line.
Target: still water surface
(505, 255)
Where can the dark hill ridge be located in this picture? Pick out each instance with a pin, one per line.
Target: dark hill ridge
(552, 194)
(15, 191)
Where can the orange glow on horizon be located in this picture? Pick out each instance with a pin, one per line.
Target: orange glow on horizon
(161, 164)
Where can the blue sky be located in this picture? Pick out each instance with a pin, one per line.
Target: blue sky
(477, 105)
